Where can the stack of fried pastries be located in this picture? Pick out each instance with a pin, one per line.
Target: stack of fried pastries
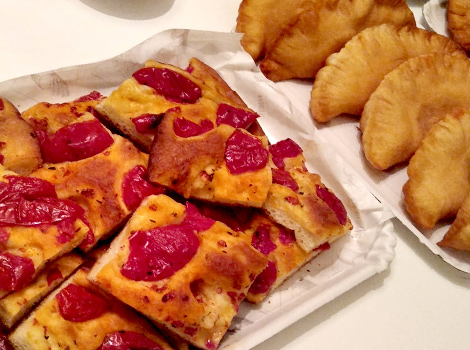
(410, 89)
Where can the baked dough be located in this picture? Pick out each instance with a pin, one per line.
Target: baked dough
(193, 286)
(46, 328)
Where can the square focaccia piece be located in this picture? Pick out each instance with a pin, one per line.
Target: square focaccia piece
(108, 185)
(184, 271)
(137, 105)
(219, 164)
(78, 315)
(36, 227)
(300, 201)
(15, 305)
(277, 243)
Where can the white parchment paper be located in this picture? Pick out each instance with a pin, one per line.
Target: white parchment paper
(366, 251)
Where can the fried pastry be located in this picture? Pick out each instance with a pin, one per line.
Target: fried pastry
(349, 77)
(458, 22)
(323, 28)
(458, 235)
(408, 101)
(260, 21)
(19, 146)
(439, 171)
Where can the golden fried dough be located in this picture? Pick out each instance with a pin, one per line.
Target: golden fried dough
(349, 77)
(323, 28)
(19, 146)
(408, 101)
(439, 171)
(458, 236)
(260, 21)
(458, 22)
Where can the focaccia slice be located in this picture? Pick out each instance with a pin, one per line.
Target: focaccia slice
(36, 228)
(184, 271)
(108, 185)
(15, 305)
(299, 201)
(137, 105)
(78, 315)
(349, 77)
(408, 101)
(323, 28)
(277, 243)
(439, 171)
(19, 147)
(198, 159)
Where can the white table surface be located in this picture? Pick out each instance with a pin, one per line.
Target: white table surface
(420, 302)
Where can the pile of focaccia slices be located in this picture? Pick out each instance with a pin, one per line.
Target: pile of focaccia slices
(143, 219)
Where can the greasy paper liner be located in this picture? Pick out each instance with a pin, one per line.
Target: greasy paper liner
(366, 251)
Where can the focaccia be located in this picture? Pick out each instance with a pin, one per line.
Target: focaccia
(137, 105)
(300, 201)
(108, 185)
(184, 271)
(15, 305)
(78, 315)
(198, 159)
(277, 243)
(36, 227)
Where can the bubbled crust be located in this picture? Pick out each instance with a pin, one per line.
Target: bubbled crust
(195, 167)
(95, 183)
(19, 146)
(199, 301)
(46, 329)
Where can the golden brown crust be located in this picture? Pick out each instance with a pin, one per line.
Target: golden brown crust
(312, 29)
(408, 101)
(198, 301)
(350, 76)
(15, 305)
(439, 171)
(458, 235)
(19, 147)
(458, 22)
(95, 184)
(47, 329)
(195, 166)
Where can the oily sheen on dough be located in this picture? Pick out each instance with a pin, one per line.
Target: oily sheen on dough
(349, 77)
(439, 171)
(408, 101)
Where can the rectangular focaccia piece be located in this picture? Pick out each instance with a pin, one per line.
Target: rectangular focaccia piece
(136, 106)
(36, 228)
(184, 271)
(108, 185)
(300, 201)
(277, 243)
(15, 305)
(222, 164)
(79, 316)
